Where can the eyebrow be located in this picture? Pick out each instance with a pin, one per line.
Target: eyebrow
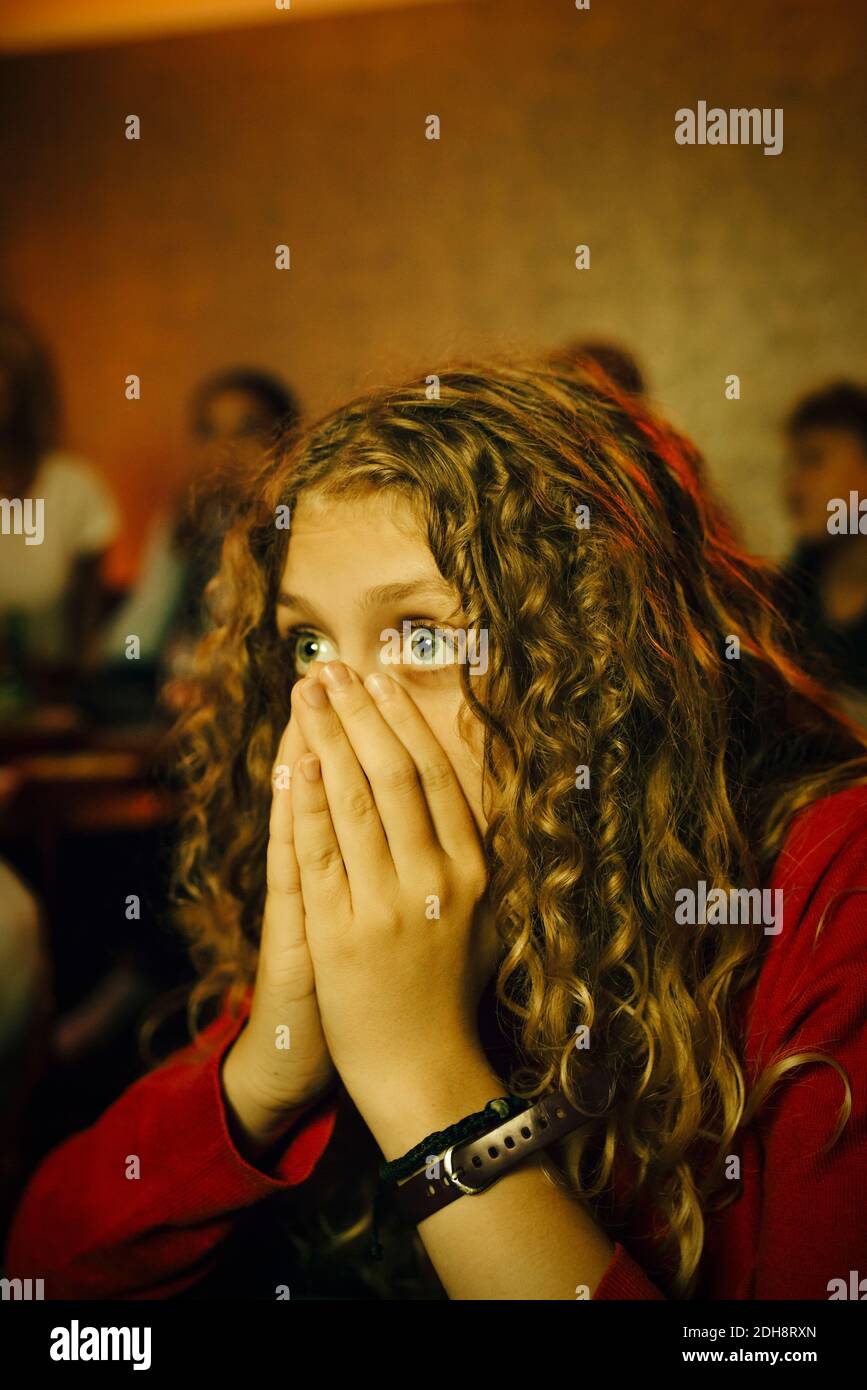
(381, 594)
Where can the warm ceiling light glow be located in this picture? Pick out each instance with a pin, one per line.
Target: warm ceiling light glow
(34, 24)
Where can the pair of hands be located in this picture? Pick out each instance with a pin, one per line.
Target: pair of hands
(374, 951)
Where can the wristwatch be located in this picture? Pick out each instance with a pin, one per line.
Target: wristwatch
(469, 1168)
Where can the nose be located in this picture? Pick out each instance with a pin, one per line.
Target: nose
(363, 667)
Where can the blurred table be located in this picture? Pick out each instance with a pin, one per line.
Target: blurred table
(62, 776)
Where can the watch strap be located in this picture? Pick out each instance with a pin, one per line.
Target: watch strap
(468, 1168)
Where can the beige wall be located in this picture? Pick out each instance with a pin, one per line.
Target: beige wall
(156, 257)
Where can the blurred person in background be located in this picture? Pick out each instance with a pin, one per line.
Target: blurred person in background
(617, 363)
(51, 591)
(234, 414)
(827, 596)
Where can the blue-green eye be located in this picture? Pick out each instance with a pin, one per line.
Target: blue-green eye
(308, 647)
(428, 646)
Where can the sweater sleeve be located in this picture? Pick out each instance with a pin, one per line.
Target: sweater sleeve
(136, 1206)
(625, 1279)
(813, 1211)
(807, 1193)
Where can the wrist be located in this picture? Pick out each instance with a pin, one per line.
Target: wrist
(425, 1101)
(255, 1123)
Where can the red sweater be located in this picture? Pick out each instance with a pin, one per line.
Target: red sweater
(801, 1219)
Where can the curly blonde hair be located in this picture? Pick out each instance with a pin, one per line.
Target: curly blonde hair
(608, 651)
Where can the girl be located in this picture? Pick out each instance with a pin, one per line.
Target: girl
(475, 886)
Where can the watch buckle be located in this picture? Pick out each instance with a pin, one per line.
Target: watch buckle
(455, 1181)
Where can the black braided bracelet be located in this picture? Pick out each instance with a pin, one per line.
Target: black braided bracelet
(470, 1127)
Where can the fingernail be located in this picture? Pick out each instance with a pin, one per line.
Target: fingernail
(335, 674)
(313, 694)
(310, 767)
(380, 687)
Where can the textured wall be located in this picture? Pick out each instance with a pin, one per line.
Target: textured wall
(156, 257)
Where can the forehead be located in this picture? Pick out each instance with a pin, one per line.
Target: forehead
(827, 438)
(337, 544)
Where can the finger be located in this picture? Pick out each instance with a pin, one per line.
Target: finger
(387, 765)
(449, 812)
(354, 813)
(284, 908)
(282, 868)
(324, 883)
